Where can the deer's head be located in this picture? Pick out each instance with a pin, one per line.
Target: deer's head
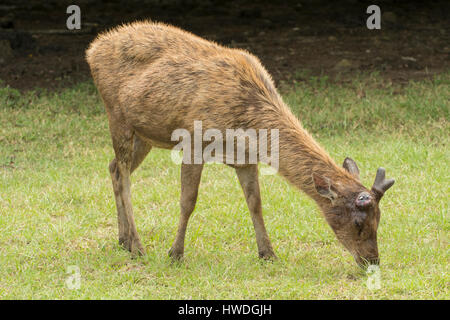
(353, 212)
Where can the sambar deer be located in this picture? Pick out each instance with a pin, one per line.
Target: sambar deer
(154, 78)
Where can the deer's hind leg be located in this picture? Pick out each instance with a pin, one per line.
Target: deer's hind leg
(130, 150)
(141, 148)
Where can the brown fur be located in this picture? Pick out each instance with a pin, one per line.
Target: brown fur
(155, 78)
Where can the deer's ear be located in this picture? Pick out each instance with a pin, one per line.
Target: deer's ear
(351, 167)
(323, 187)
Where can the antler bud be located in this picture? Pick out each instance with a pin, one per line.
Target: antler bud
(381, 185)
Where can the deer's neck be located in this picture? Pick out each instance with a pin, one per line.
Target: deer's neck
(300, 156)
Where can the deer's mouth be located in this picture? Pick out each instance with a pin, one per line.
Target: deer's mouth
(364, 262)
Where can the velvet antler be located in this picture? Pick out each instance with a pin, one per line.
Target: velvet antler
(381, 185)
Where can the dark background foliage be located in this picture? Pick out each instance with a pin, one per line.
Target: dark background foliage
(294, 39)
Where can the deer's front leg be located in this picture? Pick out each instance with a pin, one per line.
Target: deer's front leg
(190, 180)
(248, 178)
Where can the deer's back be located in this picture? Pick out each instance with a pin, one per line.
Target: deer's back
(162, 78)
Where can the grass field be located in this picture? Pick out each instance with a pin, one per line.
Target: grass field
(57, 208)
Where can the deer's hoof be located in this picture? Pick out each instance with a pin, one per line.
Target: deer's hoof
(267, 255)
(175, 254)
(132, 245)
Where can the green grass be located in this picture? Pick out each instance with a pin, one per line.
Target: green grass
(57, 207)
